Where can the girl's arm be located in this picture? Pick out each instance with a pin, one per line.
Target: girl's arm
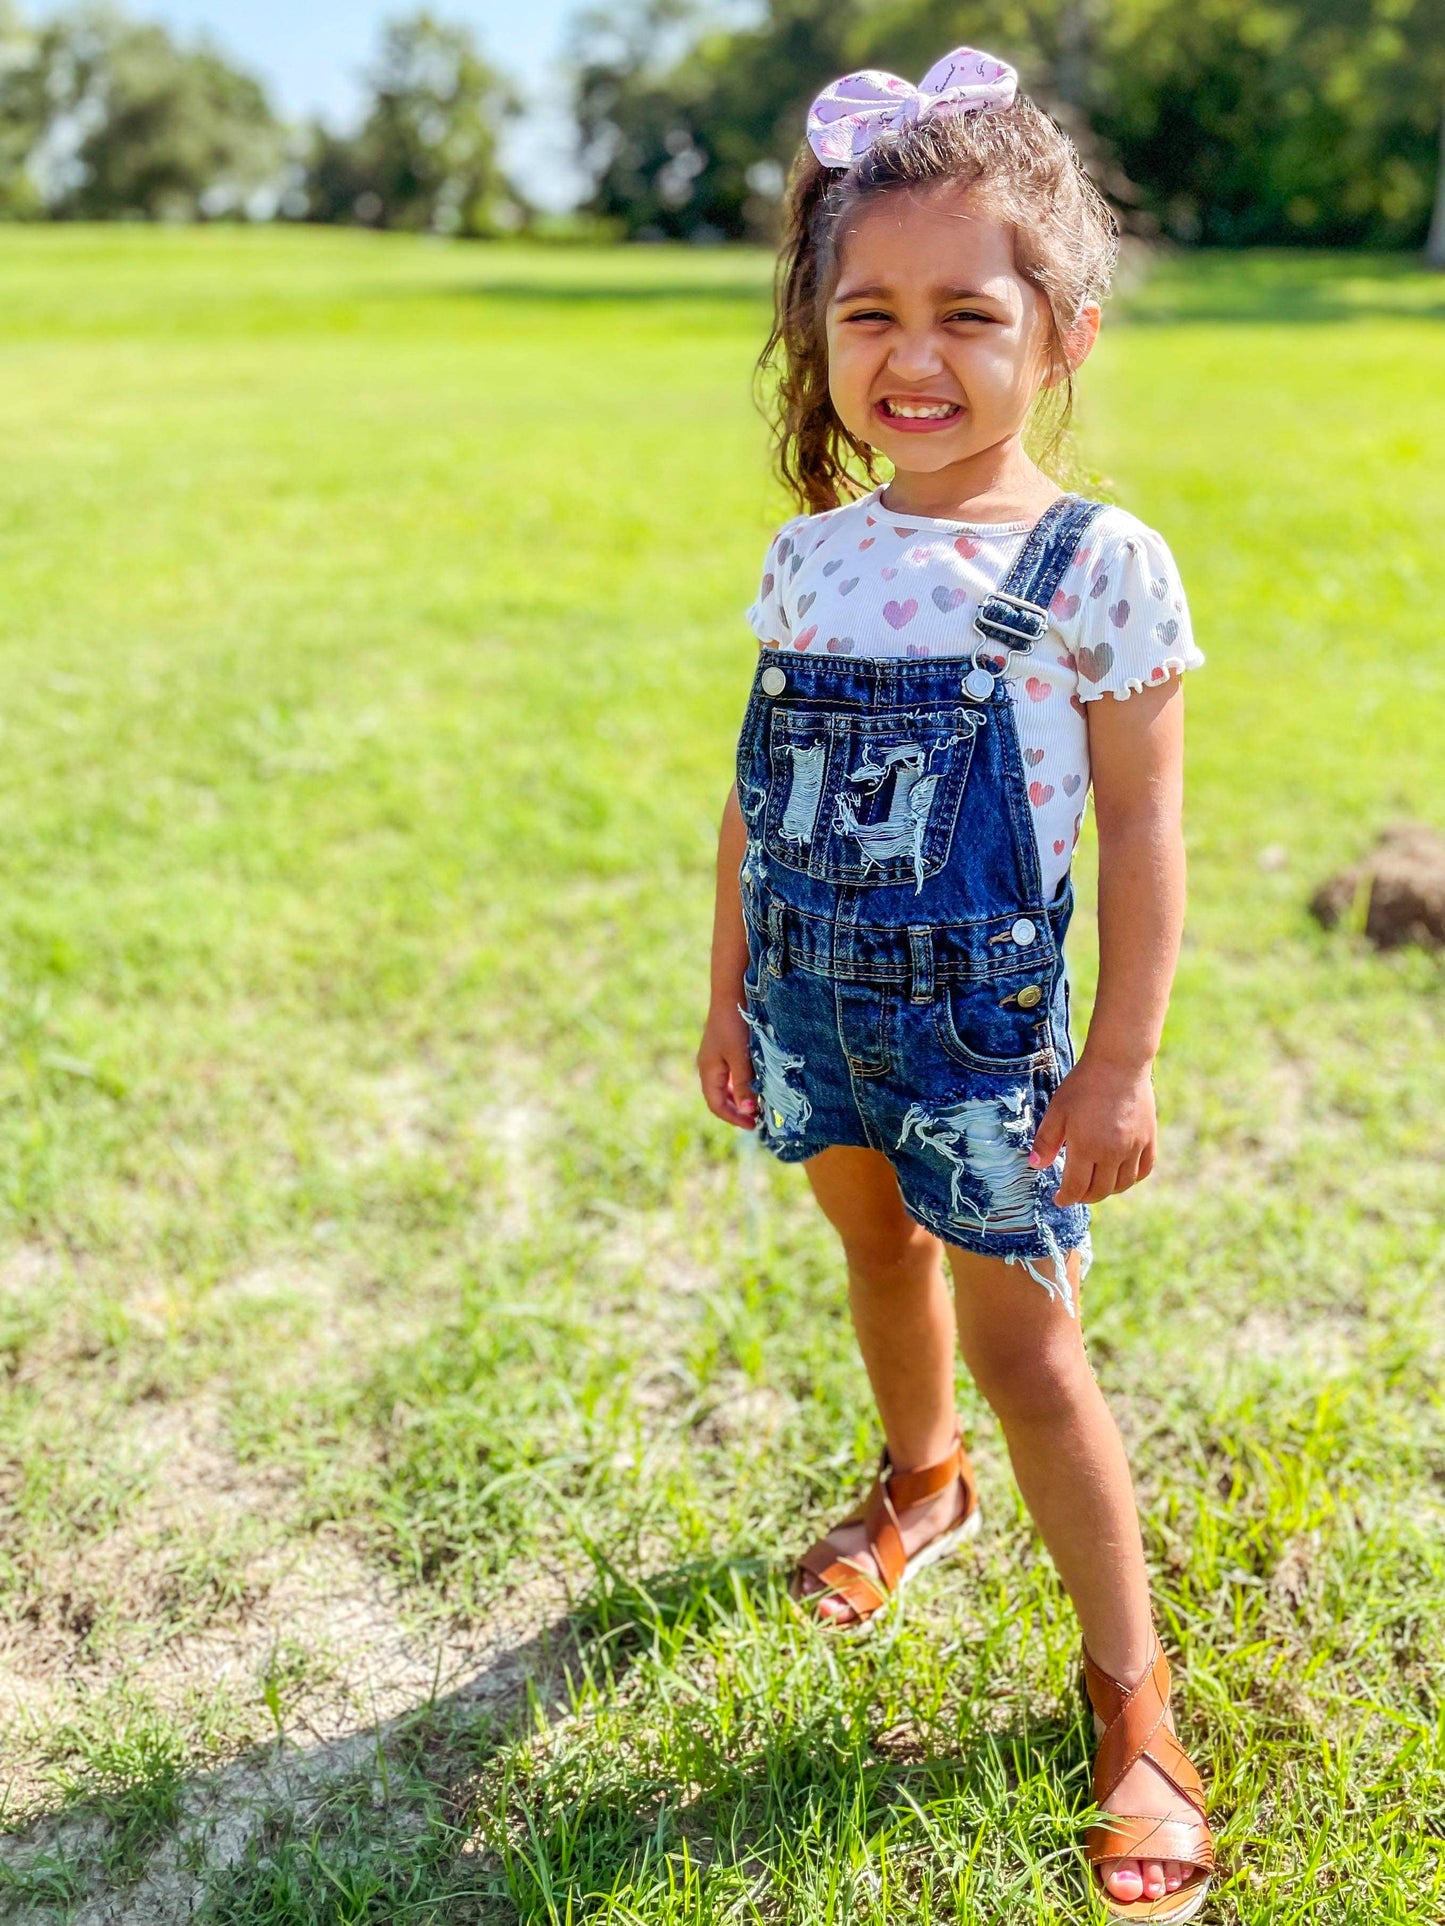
(1103, 1111)
(723, 1064)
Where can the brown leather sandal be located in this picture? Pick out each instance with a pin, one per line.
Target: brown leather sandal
(1135, 1727)
(865, 1593)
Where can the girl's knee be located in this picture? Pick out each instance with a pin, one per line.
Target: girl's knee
(882, 1254)
(1034, 1379)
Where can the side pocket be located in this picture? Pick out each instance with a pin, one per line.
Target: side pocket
(977, 1031)
(748, 769)
(1064, 1033)
(753, 972)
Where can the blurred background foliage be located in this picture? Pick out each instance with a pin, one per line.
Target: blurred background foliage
(101, 115)
(1237, 122)
(1229, 122)
(104, 117)
(425, 156)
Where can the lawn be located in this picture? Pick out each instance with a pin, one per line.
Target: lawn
(411, 1397)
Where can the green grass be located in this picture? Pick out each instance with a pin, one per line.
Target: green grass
(395, 1353)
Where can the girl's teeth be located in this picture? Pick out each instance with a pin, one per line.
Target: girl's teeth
(934, 413)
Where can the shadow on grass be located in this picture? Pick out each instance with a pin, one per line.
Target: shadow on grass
(503, 1798)
(1266, 286)
(823, 1814)
(602, 293)
(367, 1810)
(1276, 287)
(375, 1819)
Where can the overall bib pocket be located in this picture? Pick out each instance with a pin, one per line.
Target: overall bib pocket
(867, 801)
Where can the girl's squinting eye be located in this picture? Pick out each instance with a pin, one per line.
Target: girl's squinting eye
(968, 314)
(868, 314)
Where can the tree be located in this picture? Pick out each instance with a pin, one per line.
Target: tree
(1230, 121)
(686, 129)
(21, 122)
(105, 117)
(1268, 121)
(426, 155)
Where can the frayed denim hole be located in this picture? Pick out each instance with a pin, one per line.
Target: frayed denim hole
(984, 1143)
(786, 1108)
(805, 792)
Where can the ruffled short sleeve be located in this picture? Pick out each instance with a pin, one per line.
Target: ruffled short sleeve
(768, 617)
(1134, 628)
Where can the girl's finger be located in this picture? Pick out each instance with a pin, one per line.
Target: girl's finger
(1048, 1139)
(1129, 1173)
(1104, 1183)
(1146, 1160)
(712, 1074)
(742, 1105)
(741, 1072)
(1078, 1175)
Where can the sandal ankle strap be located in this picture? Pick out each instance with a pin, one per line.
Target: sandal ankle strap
(892, 1491)
(908, 1488)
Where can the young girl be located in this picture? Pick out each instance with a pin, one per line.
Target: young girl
(947, 661)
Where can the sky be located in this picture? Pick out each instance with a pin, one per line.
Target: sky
(310, 52)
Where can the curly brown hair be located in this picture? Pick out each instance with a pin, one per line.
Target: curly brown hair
(1027, 171)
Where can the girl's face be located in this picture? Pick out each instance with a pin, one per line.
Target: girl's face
(937, 344)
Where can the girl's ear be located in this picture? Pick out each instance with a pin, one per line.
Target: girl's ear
(1073, 351)
(1080, 339)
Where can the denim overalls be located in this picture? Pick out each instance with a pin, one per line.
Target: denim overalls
(905, 986)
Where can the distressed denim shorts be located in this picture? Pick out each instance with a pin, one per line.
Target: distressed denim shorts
(949, 1080)
(906, 989)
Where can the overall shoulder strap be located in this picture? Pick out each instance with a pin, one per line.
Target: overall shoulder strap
(1017, 614)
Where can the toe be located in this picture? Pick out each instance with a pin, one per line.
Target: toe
(1152, 1871)
(1122, 1879)
(1173, 1875)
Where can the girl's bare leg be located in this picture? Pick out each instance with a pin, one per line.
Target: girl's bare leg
(903, 1317)
(1026, 1355)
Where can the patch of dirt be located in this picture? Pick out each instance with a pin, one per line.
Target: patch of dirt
(516, 1132)
(1314, 1346)
(753, 1412)
(26, 1268)
(203, 1583)
(222, 1812)
(346, 1659)
(1400, 885)
(1292, 1579)
(105, 1600)
(653, 1244)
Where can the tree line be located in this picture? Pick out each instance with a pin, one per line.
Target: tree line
(103, 116)
(1233, 122)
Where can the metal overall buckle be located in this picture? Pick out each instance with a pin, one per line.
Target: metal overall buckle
(1017, 638)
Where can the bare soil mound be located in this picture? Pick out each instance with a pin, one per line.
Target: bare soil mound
(1402, 880)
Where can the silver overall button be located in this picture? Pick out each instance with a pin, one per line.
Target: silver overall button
(773, 681)
(979, 684)
(1023, 932)
(1029, 996)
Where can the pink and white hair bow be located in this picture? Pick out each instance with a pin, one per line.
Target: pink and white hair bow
(851, 113)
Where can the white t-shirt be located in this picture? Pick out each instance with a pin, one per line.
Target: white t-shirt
(860, 580)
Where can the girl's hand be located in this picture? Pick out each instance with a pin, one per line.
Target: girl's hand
(1102, 1115)
(725, 1068)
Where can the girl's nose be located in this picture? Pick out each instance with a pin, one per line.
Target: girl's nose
(916, 357)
